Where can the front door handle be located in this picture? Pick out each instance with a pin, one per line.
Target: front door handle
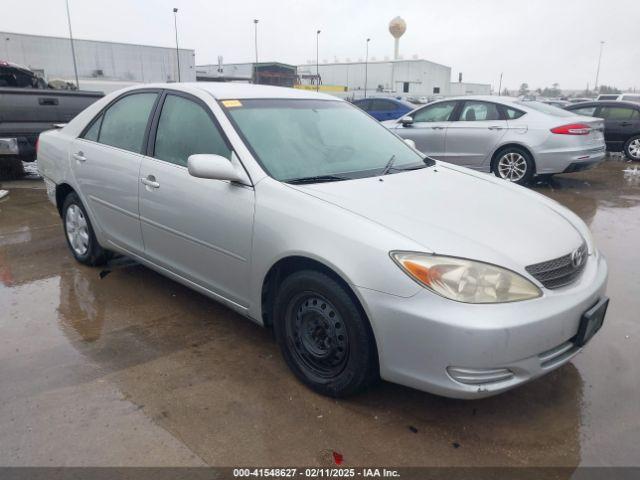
(625, 124)
(79, 156)
(496, 127)
(150, 181)
(438, 128)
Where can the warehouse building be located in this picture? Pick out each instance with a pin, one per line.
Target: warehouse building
(104, 66)
(411, 77)
(263, 73)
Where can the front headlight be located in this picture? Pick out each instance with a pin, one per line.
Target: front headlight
(465, 280)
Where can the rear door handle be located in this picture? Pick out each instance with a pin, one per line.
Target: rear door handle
(438, 128)
(625, 124)
(79, 156)
(150, 181)
(496, 127)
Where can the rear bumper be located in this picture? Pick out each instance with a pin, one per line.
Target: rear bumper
(569, 160)
(426, 341)
(23, 147)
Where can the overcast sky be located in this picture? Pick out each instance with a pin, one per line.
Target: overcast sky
(535, 41)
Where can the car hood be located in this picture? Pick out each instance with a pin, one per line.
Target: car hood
(453, 211)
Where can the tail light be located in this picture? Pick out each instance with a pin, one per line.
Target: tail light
(572, 129)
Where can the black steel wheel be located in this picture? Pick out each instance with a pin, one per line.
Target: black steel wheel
(317, 335)
(323, 334)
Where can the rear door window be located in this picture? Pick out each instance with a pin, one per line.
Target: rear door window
(94, 130)
(125, 122)
(616, 113)
(479, 111)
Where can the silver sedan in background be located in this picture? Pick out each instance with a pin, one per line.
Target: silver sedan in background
(514, 139)
(304, 214)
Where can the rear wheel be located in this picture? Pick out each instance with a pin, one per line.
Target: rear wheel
(323, 335)
(632, 148)
(79, 233)
(515, 165)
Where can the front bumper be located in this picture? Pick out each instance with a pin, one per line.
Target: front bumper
(569, 160)
(421, 337)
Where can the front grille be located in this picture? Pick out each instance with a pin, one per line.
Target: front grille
(559, 271)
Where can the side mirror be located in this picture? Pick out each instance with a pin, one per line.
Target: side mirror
(410, 142)
(406, 121)
(214, 167)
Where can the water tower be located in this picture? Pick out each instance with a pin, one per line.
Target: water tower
(397, 27)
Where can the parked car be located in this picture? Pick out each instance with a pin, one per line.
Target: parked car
(625, 97)
(557, 103)
(300, 212)
(621, 124)
(28, 107)
(384, 108)
(514, 139)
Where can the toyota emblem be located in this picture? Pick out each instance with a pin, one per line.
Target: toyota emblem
(577, 258)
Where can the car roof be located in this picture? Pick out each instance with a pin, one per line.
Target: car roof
(233, 91)
(608, 103)
(481, 98)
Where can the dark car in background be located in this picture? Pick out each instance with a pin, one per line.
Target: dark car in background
(621, 124)
(384, 108)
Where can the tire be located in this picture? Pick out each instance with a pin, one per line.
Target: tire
(328, 344)
(79, 233)
(506, 162)
(632, 148)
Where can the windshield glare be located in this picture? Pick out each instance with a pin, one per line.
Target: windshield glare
(544, 108)
(294, 139)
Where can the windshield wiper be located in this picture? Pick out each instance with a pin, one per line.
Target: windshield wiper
(389, 165)
(317, 179)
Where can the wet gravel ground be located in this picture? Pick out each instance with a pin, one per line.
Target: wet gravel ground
(121, 366)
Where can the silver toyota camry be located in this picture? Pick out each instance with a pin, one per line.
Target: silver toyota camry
(299, 211)
(516, 140)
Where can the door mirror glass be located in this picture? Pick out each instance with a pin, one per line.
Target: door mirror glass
(406, 121)
(212, 166)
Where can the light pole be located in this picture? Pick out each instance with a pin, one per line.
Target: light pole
(175, 24)
(366, 64)
(255, 31)
(73, 51)
(317, 61)
(500, 85)
(598, 70)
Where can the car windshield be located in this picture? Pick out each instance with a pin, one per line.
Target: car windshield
(318, 140)
(544, 108)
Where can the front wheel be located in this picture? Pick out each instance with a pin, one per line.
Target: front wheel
(324, 336)
(632, 148)
(514, 165)
(79, 233)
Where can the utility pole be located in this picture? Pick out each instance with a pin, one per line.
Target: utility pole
(317, 61)
(595, 87)
(175, 24)
(500, 85)
(366, 62)
(73, 50)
